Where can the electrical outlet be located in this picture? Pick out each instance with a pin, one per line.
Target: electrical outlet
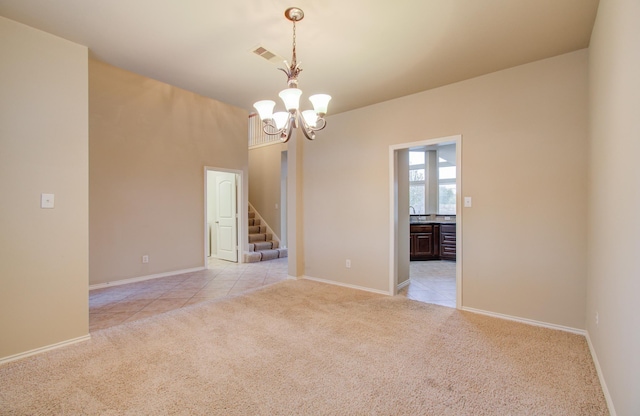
(145, 259)
(597, 319)
(47, 200)
(348, 264)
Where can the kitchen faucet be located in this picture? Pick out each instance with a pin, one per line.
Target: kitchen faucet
(412, 209)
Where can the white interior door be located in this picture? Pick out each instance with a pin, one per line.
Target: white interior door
(226, 217)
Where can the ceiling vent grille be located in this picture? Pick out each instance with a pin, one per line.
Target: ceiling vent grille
(268, 55)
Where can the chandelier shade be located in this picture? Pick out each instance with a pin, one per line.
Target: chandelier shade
(282, 123)
(265, 108)
(320, 103)
(310, 117)
(291, 98)
(281, 118)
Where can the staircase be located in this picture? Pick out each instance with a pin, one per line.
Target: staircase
(262, 245)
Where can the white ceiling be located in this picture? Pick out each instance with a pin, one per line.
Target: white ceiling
(359, 51)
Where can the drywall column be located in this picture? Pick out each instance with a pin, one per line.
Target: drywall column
(295, 204)
(44, 149)
(613, 284)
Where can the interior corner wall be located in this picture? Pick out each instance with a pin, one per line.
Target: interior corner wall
(402, 190)
(265, 185)
(524, 162)
(614, 200)
(148, 145)
(44, 142)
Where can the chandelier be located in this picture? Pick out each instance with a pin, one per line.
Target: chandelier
(282, 123)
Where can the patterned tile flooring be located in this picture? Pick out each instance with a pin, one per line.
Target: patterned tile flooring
(431, 282)
(129, 302)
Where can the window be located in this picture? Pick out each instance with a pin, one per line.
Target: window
(417, 176)
(447, 180)
(432, 180)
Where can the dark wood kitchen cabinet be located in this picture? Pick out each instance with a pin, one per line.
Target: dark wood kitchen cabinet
(424, 241)
(448, 241)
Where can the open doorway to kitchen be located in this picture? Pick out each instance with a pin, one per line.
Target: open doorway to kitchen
(425, 255)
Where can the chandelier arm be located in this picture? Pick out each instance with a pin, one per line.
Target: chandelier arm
(308, 133)
(285, 135)
(307, 129)
(269, 123)
(324, 124)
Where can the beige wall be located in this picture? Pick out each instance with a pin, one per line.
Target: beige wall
(264, 183)
(44, 149)
(403, 246)
(149, 144)
(614, 225)
(524, 162)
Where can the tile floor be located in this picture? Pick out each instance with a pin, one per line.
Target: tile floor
(431, 282)
(118, 304)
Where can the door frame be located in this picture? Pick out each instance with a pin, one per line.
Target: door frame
(240, 207)
(394, 214)
(284, 162)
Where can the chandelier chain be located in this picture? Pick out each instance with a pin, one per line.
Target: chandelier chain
(294, 61)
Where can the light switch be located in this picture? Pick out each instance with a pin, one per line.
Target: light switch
(467, 202)
(46, 200)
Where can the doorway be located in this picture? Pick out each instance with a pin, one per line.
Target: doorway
(401, 268)
(222, 204)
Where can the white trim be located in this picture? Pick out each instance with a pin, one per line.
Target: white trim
(241, 207)
(393, 278)
(143, 278)
(603, 383)
(403, 284)
(527, 321)
(257, 146)
(44, 349)
(459, 222)
(332, 282)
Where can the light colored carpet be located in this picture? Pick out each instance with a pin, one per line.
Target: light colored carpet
(306, 348)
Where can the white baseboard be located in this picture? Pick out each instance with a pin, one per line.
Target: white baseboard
(403, 284)
(526, 321)
(143, 278)
(331, 282)
(603, 383)
(44, 349)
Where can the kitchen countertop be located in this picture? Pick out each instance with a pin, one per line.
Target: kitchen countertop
(425, 222)
(422, 219)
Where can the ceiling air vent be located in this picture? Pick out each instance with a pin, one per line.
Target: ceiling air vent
(268, 55)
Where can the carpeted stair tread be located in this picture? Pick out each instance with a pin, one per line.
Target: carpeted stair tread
(269, 254)
(252, 257)
(259, 237)
(262, 247)
(257, 229)
(265, 245)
